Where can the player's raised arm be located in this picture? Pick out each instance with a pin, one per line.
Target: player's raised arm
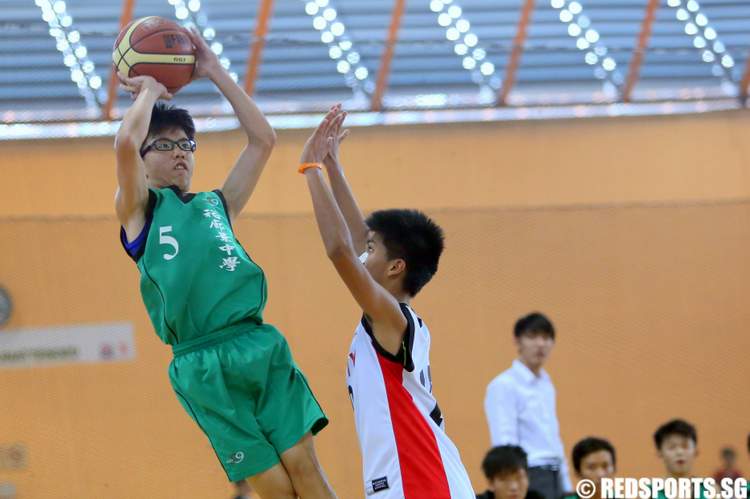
(341, 189)
(261, 138)
(132, 191)
(377, 303)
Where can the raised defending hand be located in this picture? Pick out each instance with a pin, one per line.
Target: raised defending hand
(317, 146)
(335, 137)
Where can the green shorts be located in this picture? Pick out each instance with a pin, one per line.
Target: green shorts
(244, 390)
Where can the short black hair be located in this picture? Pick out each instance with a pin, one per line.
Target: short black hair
(165, 117)
(504, 459)
(589, 445)
(534, 322)
(675, 427)
(414, 237)
(728, 452)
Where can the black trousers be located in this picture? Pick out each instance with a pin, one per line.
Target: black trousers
(546, 481)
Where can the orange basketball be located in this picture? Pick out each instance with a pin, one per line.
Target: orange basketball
(156, 47)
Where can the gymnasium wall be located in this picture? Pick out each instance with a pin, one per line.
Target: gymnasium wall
(631, 234)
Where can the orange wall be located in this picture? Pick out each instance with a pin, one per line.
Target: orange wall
(566, 162)
(632, 234)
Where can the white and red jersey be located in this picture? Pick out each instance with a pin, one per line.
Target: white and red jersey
(406, 453)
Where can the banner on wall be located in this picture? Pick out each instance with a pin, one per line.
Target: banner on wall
(70, 344)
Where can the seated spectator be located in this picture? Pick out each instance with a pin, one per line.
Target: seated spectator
(728, 463)
(677, 444)
(506, 470)
(593, 459)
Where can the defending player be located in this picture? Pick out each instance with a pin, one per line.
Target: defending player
(405, 451)
(232, 372)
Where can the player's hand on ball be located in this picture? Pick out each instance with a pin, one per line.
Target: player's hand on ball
(317, 146)
(137, 84)
(206, 61)
(335, 137)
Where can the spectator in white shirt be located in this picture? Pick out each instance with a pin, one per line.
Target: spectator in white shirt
(520, 408)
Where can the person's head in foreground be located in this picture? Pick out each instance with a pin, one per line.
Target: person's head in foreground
(593, 459)
(168, 151)
(534, 337)
(676, 443)
(505, 468)
(403, 250)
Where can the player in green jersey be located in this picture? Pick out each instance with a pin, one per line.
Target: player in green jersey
(232, 372)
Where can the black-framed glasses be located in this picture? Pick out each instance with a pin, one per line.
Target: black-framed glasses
(165, 144)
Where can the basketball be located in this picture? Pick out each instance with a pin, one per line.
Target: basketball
(158, 47)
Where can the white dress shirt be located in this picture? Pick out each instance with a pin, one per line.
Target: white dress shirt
(520, 409)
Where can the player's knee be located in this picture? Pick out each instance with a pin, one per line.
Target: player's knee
(302, 466)
(275, 494)
(281, 494)
(274, 483)
(300, 461)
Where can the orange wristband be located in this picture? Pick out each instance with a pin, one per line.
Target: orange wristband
(306, 166)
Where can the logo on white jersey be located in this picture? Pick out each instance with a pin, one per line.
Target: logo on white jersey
(377, 485)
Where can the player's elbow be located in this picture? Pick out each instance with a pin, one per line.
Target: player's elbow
(268, 139)
(271, 138)
(337, 250)
(265, 139)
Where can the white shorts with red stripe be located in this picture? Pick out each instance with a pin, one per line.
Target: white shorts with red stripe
(406, 453)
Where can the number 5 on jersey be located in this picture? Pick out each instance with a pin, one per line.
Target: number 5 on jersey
(164, 238)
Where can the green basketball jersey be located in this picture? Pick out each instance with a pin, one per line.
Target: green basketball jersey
(196, 278)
